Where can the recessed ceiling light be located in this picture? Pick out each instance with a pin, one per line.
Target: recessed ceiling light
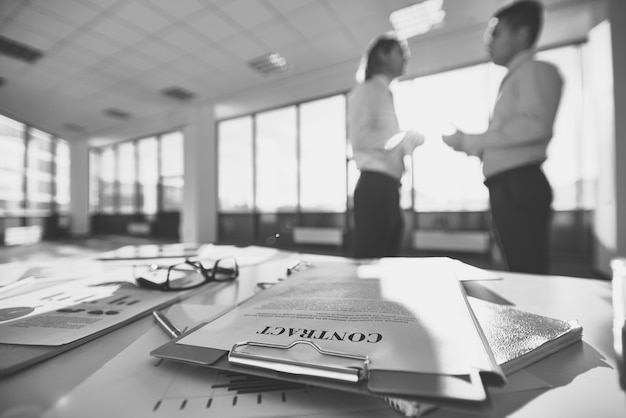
(117, 113)
(72, 127)
(18, 50)
(178, 93)
(417, 19)
(270, 63)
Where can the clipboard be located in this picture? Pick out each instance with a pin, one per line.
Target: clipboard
(308, 363)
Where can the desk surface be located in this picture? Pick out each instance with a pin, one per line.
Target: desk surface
(584, 377)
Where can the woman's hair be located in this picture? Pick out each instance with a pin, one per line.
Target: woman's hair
(370, 62)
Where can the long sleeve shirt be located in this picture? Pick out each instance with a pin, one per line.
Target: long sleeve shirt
(372, 122)
(523, 117)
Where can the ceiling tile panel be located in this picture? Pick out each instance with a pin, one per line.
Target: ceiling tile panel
(183, 38)
(277, 35)
(216, 57)
(104, 4)
(212, 26)
(190, 66)
(77, 55)
(351, 12)
(158, 51)
(144, 17)
(118, 31)
(313, 20)
(28, 35)
(179, 8)
(244, 46)
(134, 61)
(53, 26)
(336, 47)
(286, 6)
(11, 67)
(7, 8)
(77, 12)
(96, 43)
(247, 14)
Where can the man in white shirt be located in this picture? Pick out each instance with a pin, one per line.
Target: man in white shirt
(514, 146)
(379, 148)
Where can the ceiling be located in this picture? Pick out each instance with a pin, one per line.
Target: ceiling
(119, 55)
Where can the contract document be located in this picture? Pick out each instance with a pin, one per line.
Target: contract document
(404, 322)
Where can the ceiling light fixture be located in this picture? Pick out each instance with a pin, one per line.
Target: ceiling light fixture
(19, 51)
(417, 19)
(269, 64)
(178, 93)
(117, 113)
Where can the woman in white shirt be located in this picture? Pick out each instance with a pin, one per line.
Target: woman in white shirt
(379, 148)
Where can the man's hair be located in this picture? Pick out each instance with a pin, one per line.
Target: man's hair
(524, 13)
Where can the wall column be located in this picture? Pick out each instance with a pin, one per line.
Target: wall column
(618, 35)
(79, 188)
(199, 211)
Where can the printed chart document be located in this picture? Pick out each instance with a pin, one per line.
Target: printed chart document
(37, 325)
(405, 323)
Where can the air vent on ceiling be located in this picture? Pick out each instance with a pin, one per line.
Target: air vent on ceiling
(178, 93)
(418, 18)
(72, 127)
(117, 113)
(269, 64)
(19, 51)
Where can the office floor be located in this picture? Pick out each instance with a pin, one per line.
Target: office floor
(47, 251)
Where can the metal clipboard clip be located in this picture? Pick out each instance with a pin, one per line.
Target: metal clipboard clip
(322, 363)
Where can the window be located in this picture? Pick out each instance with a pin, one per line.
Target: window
(62, 176)
(95, 185)
(571, 163)
(323, 155)
(172, 162)
(446, 180)
(148, 175)
(276, 160)
(39, 173)
(12, 149)
(107, 180)
(235, 165)
(126, 175)
(130, 174)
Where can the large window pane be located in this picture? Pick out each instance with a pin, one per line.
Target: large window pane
(446, 180)
(276, 160)
(148, 172)
(107, 180)
(126, 175)
(94, 181)
(323, 155)
(567, 155)
(13, 150)
(62, 176)
(172, 162)
(39, 173)
(235, 165)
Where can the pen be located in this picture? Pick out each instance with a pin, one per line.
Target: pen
(166, 324)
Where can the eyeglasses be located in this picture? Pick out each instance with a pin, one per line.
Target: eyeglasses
(185, 275)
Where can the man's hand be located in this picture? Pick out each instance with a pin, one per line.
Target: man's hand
(454, 141)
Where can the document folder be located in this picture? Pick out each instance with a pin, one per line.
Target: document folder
(404, 327)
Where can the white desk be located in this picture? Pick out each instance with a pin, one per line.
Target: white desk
(585, 382)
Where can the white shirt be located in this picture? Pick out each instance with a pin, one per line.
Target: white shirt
(523, 117)
(372, 122)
